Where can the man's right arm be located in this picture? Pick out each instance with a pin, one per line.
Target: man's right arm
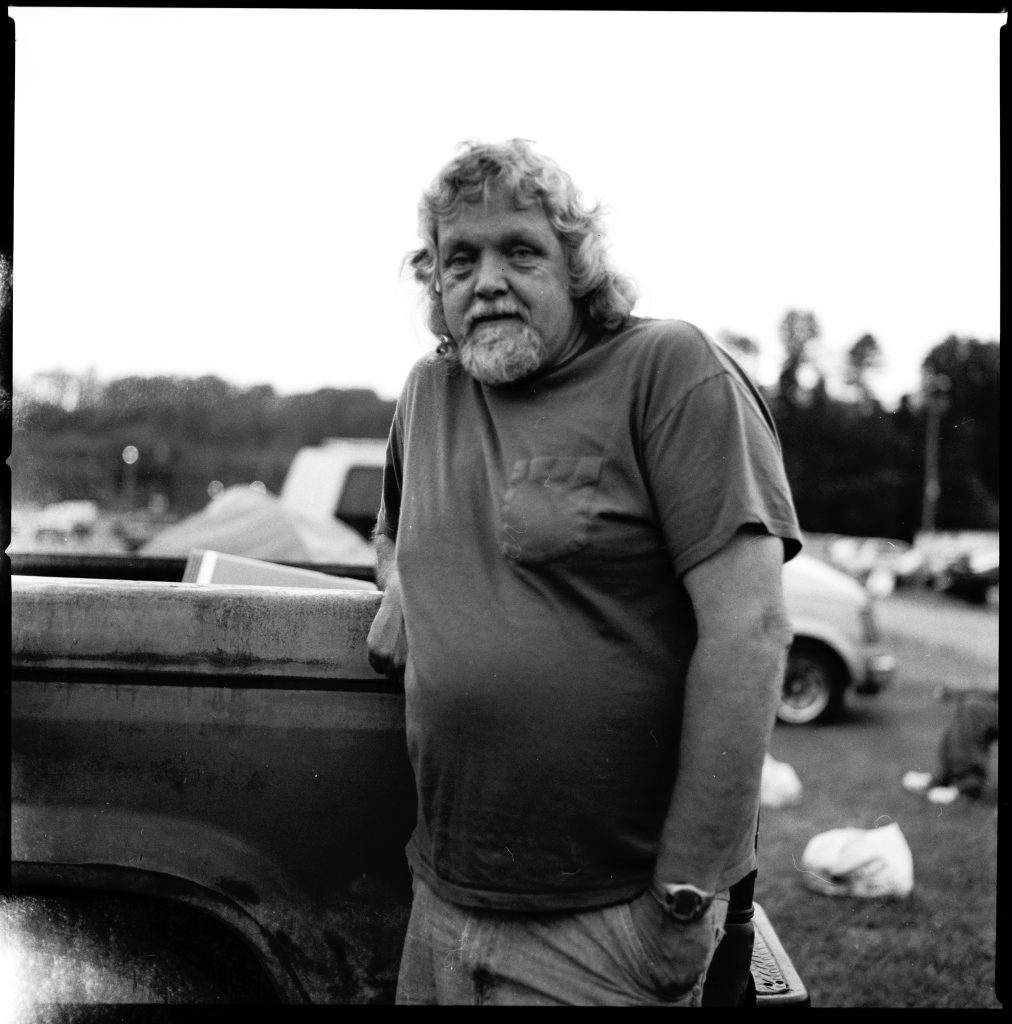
(387, 642)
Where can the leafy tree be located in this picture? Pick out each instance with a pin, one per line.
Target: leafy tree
(798, 330)
(864, 355)
(849, 469)
(968, 430)
(188, 431)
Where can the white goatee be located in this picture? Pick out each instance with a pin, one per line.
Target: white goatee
(502, 353)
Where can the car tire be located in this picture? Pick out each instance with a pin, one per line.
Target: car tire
(813, 685)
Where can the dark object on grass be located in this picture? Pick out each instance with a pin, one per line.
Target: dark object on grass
(964, 749)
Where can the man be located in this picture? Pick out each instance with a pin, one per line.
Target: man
(580, 544)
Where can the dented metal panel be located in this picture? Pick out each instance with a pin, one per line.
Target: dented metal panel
(283, 806)
(166, 627)
(285, 811)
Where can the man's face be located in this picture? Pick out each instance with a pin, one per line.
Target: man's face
(505, 289)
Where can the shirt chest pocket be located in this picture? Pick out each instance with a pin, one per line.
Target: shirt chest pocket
(547, 506)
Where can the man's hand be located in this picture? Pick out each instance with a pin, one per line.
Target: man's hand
(677, 953)
(388, 642)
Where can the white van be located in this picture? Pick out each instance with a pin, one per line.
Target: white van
(837, 642)
(341, 478)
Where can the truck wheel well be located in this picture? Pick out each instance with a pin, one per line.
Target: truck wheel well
(814, 683)
(84, 945)
(819, 648)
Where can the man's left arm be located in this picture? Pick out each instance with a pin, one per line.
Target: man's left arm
(731, 694)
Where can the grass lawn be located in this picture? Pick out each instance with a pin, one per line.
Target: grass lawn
(935, 948)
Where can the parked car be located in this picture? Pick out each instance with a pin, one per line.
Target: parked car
(973, 577)
(837, 644)
(66, 520)
(880, 563)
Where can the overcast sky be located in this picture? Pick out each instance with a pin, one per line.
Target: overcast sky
(232, 192)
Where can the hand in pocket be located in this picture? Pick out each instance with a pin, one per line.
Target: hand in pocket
(676, 953)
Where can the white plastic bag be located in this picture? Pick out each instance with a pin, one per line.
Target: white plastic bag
(859, 862)
(780, 786)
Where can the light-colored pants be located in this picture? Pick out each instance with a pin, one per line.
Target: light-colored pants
(456, 955)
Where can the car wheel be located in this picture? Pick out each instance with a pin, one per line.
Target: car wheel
(813, 686)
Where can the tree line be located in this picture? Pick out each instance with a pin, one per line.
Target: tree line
(188, 433)
(854, 466)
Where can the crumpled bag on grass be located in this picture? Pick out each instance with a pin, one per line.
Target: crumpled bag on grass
(859, 862)
(780, 786)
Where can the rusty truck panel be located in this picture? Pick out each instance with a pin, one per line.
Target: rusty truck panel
(231, 739)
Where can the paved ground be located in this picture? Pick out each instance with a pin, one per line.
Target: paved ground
(944, 622)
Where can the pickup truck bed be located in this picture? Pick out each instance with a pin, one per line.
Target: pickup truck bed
(227, 749)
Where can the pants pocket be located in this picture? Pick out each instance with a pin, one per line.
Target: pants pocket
(674, 956)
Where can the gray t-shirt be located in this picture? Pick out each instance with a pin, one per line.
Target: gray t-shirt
(542, 529)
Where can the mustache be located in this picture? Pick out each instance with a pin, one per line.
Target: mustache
(491, 312)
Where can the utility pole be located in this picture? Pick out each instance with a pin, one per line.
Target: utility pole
(936, 402)
(130, 455)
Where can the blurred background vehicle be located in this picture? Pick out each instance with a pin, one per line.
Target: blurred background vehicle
(837, 646)
(881, 563)
(62, 519)
(962, 563)
(973, 577)
(342, 478)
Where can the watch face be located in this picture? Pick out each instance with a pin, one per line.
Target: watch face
(685, 904)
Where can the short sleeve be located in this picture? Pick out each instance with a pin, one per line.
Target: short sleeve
(715, 466)
(390, 497)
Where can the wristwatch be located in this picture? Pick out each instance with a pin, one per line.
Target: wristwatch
(681, 901)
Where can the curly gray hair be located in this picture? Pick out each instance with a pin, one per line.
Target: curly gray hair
(605, 297)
